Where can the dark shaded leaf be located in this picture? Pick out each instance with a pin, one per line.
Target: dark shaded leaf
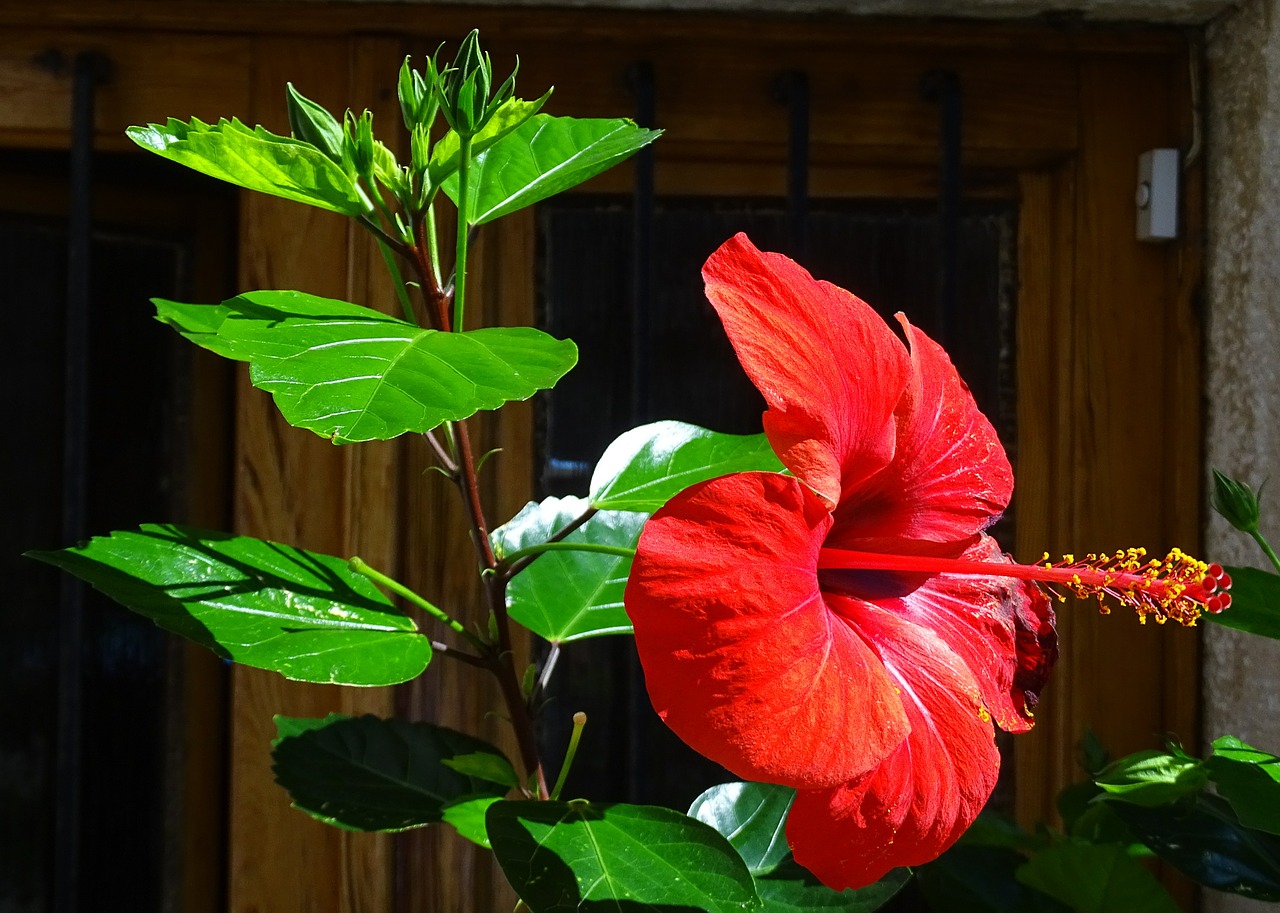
(1095, 878)
(369, 774)
(305, 615)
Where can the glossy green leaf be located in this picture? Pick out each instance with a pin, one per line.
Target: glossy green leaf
(970, 878)
(1205, 841)
(511, 114)
(351, 373)
(752, 817)
(642, 469)
(1255, 603)
(302, 614)
(256, 159)
(1095, 878)
(576, 857)
(1249, 780)
(544, 156)
(369, 774)
(1152, 777)
(570, 595)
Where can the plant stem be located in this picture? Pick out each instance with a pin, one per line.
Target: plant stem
(358, 565)
(464, 216)
(515, 567)
(388, 257)
(579, 721)
(1267, 550)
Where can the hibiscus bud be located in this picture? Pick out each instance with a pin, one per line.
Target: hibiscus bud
(418, 102)
(464, 88)
(1236, 502)
(312, 124)
(358, 144)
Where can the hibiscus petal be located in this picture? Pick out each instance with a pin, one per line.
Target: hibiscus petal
(830, 369)
(950, 477)
(919, 801)
(742, 657)
(983, 621)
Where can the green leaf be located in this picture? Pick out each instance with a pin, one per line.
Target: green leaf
(752, 817)
(467, 818)
(511, 114)
(1205, 841)
(577, 857)
(971, 878)
(485, 765)
(1249, 779)
(569, 595)
(544, 156)
(369, 774)
(646, 466)
(1255, 603)
(1095, 878)
(351, 373)
(1152, 778)
(302, 614)
(256, 160)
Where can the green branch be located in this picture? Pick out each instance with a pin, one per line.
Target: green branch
(360, 567)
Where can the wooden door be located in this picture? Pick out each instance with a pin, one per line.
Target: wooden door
(1107, 334)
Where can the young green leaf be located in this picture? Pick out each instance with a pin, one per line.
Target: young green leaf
(256, 160)
(350, 373)
(643, 468)
(259, 603)
(563, 857)
(370, 774)
(1152, 778)
(570, 595)
(544, 156)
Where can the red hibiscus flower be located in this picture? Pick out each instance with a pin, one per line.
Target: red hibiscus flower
(850, 630)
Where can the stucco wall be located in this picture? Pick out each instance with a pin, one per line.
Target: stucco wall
(1242, 674)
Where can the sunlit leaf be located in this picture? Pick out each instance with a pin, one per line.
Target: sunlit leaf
(1249, 780)
(570, 595)
(302, 614)
(351, 373)
(646, 466)
(544, 156)
(1152, 777)
(256, 159)
(571, 857)
(370, 774)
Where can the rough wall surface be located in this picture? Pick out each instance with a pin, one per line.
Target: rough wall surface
(1242, 673)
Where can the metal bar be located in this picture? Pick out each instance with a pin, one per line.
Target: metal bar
(88, 70)
(641, 83)
(792, 89)
(942, 87)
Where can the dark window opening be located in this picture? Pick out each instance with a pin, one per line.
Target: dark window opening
(886, 252)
